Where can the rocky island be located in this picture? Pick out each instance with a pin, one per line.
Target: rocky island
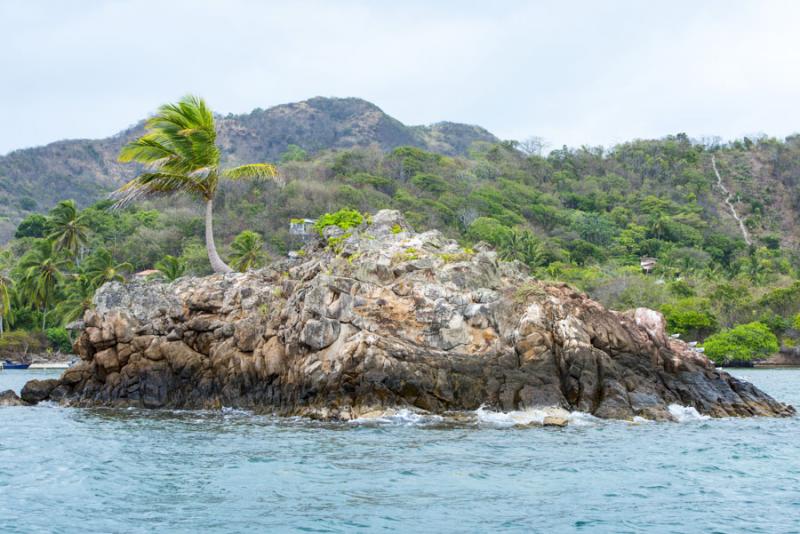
(377, 317)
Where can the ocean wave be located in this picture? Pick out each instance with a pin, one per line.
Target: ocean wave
(685, 414)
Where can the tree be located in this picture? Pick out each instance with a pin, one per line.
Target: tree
(488, 229)
(171, 267)
(41, 270)
(533, 146)
(34, 225)
(59, 339)
(522, 245)
(293, 153)
(180, 153)
(101, 268)
(77, 298)
(247, 251)
(6, 285)
(689, 317)
(742, 343)
(68, 231)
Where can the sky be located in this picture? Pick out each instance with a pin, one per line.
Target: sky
(573, 72)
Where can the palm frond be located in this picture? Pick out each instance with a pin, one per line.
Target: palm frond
(147, 149)
(253, 170)
(156, 184)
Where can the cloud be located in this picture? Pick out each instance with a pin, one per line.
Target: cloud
(574, 72)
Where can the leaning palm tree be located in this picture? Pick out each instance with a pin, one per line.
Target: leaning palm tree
(180, 154)
(247, 251)
(68, 231)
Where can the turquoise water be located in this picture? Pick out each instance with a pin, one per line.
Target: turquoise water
(69, 470)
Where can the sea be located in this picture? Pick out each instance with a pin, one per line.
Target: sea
(67, 470)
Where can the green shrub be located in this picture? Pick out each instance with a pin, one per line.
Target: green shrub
(689, 316)
(489, 230)
(344, 219)
(59, 339)
(742, 343)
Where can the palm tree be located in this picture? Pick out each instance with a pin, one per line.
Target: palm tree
(78, 295)
(41, 270)
(248, 251)
(6, 285)
(522, 245)
(171, 267)
(100, 268)
(180, 153)
(68, 232)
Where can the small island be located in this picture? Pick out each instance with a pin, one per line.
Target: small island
(374, 316)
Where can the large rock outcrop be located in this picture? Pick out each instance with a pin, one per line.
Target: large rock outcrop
(384, 318)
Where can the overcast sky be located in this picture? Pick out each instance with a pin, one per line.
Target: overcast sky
(573, 72)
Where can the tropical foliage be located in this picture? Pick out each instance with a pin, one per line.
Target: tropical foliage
(171, 268)
(741, 344)
(247, 251)
(180, 154)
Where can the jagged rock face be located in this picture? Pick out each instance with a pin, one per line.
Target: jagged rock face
(389, 318)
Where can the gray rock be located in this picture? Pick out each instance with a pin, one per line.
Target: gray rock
(10, 398)
(319, 333)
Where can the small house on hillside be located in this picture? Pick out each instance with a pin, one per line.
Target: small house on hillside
(301, 232)
(647, 264)
(302, 227)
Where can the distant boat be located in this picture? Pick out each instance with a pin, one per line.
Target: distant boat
(14, 365)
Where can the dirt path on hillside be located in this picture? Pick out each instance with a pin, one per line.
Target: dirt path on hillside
(728, 196)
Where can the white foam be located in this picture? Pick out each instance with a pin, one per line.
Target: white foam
(404, 416)
(684, 414)
(531, 416)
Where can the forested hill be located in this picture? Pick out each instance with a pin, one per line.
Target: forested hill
(34, 179)
(586, 216)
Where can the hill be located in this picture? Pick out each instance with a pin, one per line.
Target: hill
(590, 217)
(34, 179)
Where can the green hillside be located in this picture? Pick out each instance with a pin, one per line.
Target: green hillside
(33, 180)
(584, 216)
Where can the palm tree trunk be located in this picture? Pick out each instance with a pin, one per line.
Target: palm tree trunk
(217, 264)
(1, 325)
